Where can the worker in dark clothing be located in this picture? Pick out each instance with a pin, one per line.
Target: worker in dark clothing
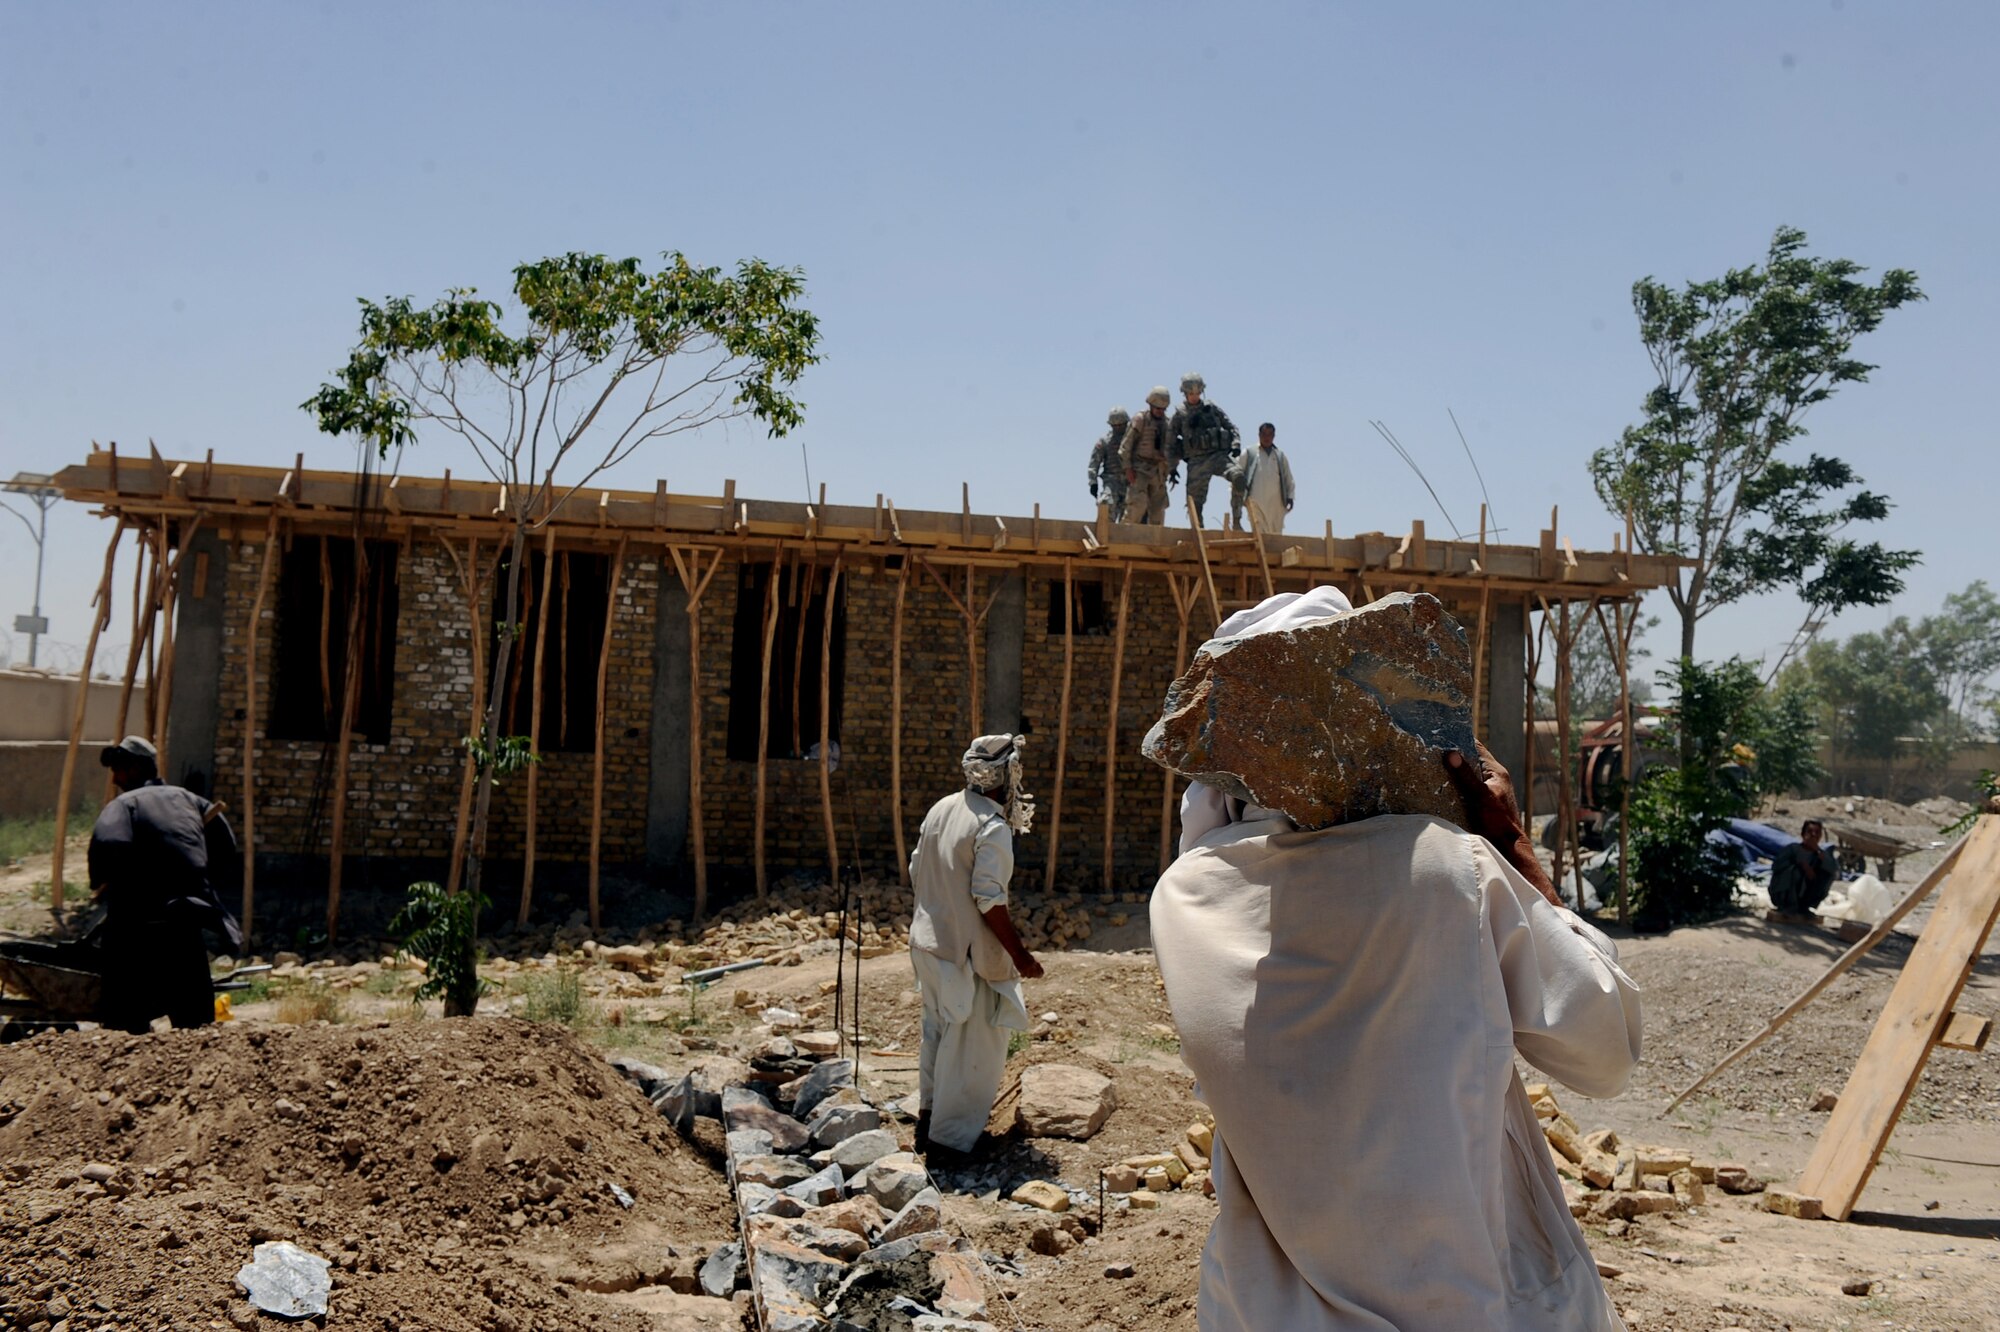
(1803, 873)
(150, 858)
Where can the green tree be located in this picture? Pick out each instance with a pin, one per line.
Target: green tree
(604, 358)
(1963, 644)
(1740, 360)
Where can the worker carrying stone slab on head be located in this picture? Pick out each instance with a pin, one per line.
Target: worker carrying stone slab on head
(968, 959)
(1356, 941)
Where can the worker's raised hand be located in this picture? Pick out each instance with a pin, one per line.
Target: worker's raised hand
(1488, 790)
(1490, 811)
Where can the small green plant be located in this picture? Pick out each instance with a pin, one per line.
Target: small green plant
(555, 997)
(259, 988)
(442, 930)
(505, 755)
(1018, 1041)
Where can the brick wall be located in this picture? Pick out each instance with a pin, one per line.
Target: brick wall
(403, 794)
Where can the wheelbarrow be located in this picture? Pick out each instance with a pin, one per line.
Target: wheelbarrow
(59, 985)
(1856, 847)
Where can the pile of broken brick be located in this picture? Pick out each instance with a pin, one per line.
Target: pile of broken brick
(841, 1228)
(1620, 1180)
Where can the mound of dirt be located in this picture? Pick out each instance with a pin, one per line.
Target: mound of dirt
(459, 1174)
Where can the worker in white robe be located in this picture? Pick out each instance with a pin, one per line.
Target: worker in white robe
(1351, 1001)
(968, 959)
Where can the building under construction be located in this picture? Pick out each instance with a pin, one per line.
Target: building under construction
(722, 690)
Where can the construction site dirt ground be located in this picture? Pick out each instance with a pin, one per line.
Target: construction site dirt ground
(489, 1144)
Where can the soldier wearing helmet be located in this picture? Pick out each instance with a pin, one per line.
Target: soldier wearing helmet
(1106, 474)
(1147, 454)
(1205, 437)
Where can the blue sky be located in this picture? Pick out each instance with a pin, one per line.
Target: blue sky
(1012, 217)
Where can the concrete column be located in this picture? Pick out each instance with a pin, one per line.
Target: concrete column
(1507, 686)
(195, 711)
(1006, 630)
(667, 815)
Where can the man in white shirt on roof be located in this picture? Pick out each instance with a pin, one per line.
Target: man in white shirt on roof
(968, 959)
(1351, 1001)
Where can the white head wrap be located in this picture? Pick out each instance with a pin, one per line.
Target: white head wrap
(994, 761)
(1203, 808)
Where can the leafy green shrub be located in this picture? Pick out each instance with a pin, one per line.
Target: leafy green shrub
(1679, 876)
(442, 929)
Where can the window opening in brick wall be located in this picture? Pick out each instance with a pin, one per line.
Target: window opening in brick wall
(576, 645)
(313, 652)
(1090, 618)
(795, 660)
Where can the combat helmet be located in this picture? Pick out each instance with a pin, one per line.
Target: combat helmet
(1119, 416)
(1194, 381)
(1159, 397)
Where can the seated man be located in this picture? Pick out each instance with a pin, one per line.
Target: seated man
(1803, 873)
(1351, 1001)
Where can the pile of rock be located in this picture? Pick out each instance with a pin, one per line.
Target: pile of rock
(1623, 1180)
(1142, 1179)
(841, 1227)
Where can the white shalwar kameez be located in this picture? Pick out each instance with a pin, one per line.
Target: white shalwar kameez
(960, 867)
(1351, 1001)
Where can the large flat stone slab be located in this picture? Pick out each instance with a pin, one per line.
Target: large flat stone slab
(1331, 721)
(1063, 1101)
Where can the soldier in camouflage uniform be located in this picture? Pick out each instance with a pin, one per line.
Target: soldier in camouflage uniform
(1106, 472)
(1147, 454)
(1205, 437)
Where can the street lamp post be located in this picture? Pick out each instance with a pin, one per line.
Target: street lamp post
(41, 492)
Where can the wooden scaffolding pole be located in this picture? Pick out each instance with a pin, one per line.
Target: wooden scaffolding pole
(350, 699)
(896, 727)
(603, 686)
(1263, 560)
(468, 574)
(156, 637)
(535, 719)
(975, 685)
(1479, 658)
(101, 616)
(163, 700)
(1111, 727)
(248, 913)
(142, 635)
(1184, 598)
(1533, 634)
(1062, 723)
(764, 713)
(695, 582)
(826, 723)
(1201, 549)
(1618, 638)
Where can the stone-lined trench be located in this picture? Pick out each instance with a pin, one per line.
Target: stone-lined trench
(840, 1230)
